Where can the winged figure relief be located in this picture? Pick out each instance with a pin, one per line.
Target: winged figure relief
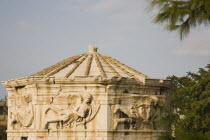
(78, 114)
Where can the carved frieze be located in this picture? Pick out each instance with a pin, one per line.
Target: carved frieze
(79, 111)
(140, 112)
(22, 113)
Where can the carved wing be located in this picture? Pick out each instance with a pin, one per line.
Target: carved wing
(26, 117)
(53, 108)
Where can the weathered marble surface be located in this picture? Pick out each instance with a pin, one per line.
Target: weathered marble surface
(48, 107)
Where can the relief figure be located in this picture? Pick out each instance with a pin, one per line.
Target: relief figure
(127, 115)
(22, 116)
(139, 114)
(81, 114)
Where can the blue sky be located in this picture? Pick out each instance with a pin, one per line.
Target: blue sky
(37, 34)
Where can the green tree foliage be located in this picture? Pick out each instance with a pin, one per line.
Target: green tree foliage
(191, 102)
(181, 15)
(3, 134)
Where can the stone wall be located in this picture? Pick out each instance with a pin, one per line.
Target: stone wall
(81, 109)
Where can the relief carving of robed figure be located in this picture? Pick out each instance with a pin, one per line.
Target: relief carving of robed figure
(82, 113)
(22, 115)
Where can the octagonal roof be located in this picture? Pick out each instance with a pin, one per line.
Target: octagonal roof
(91, 64)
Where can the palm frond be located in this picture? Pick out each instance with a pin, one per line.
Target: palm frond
(181, 15)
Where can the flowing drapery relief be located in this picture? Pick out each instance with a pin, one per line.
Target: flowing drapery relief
(80, 112)
(22, 113)
(142, 113)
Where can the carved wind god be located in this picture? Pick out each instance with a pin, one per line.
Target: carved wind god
(141, 113)
(22, 115)
(82, 113)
